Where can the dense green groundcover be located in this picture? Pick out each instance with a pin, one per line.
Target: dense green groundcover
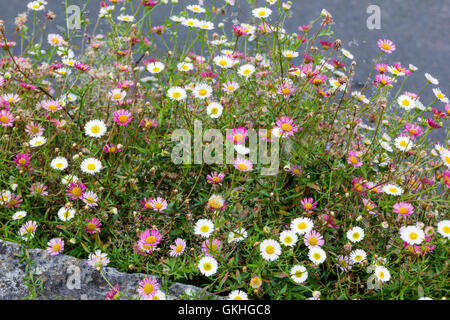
(357, 207)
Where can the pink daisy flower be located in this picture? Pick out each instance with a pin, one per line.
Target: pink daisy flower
(93, 225)
(111, 295)
(39, 189)
(313, 239)
(296, 170)
(34, 130)
(432, 124)
(123, 117)
(6, 118)
(140, 250)
(358, 186)
(177, 248)
(111, 148)
(345, 263)
(285, 89)
(240, 31)
(403, 208)
(446, 177)
(318, 79)
(413, 130)
(238, 135)
(381, 67)
(211, 247)
(50, 105)
(369, 205)
(386, 45)
(148, 123)
(150, 238)
(22, 160)
(28, 229)
(148, 287)
(353, 159)
(75, 190)
(55, 246)
(308, 204)
(13, 201)
(243, 164)
(215, 178)
(147, 203)
(383, 80)
(159, 204)
(287, 126)
(82, 66)
(90, 198)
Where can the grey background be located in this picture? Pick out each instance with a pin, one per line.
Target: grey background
(419, 28)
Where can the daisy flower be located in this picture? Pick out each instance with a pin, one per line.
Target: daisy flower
(246, 70)
(148, 287)
(98, 259)
(93, 226)
(308, 204)
(147, 203)
(355, 234)
(382, 273)
(238, 135)
(443, 227)
(59, 163)
(150, 237)
(91, 166)
(65, 214)
(238, 235)
(177, 248)
(261, 12)
(37, 141)
(125, 18)
(288, 238)
(446, 177)
(90, 198)
(270, 249)
(299, 274)
(317, 255)
(35, 5)
(230, 86)
(403, 208)
(431, 79)
(403, 143)
(302, 225)
(159, 204)
(243, 165)
(69, 178)
(11, 98)
(406, 102)
(216, 202)
(215, 178)
(155, 67)
(11, 201)
(39, 189)
(214, 110)
(27, 230)
(386, 46)
(353, 159)
(123, 117)
(207, 266)
(344, 263)
(412, 234)
(34, 130)
(117, 95)
(237, 295)
(286, 89)
(55, 39)
(75, 190)
(287, 126)
(22, 160)
(185, 66)
(413, 130)
(392, 189)
(211, 247)
(55, 246)
(289, 54)
(313, 239)
(346, 54)
(296, 170)
(202, 91)
(440, 96)
(19, 215)
(176, 93)
(204, 228)
(6, 118)
(358, 256)
(95, 128)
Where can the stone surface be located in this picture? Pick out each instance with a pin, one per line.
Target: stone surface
(67, 278)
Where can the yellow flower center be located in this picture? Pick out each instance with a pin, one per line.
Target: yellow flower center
(270, 249)
(95, 129)
(302, 225)
(353, 159)
(413, 236)
(313, 241)
(298, 274)
(158, 205)
(316, 256)
(178, 248)
(446, 229)
(393, 190)
(176, 95)
(56, 247)
(22, 161)
(204, 229)
(308, 206)
(402, 210)
(91, 166)
(150, 239)
(385, 46)
(202, 92)
(148, 288)
(238, 137)
(242, 166)
(4, 119)
(405, 103)
(76, 191)
(288, 239)
(355, 235)
(122, 118)
(117, 96)
(91, 226)
(30, 229)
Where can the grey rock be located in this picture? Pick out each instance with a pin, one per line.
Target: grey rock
(63, 277)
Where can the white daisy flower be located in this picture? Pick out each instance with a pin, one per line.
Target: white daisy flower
(346, 53)
(125, 18)
(95, 128)
(443, 227)
(91, 166)
(261, 12)
(431, 79)
(59, 163)
(155, 67)
(237, 295)
(204, 228)
(214, 110)
(440, 96)
(176, 93)
(403, 143)
(355, 234)
(65, 214)
(223, 62)
(196, 8)
(392, 189)
(270, 249)
(406, 102)
(238, 235)
(358, 256)
(202, 91)
(205, 25)
(445, 156)
(69, 178)
(412, 234)
(317, 255)
(302, 225)
(299, 274)
(207, 266)
(37, 141)
(185, 66)
(382, 273)
(289, 54)
(190, 22)
(35, 5)
(19, 215)
(288, 238)
(117, 95)
(246, 70)
(241, 149)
